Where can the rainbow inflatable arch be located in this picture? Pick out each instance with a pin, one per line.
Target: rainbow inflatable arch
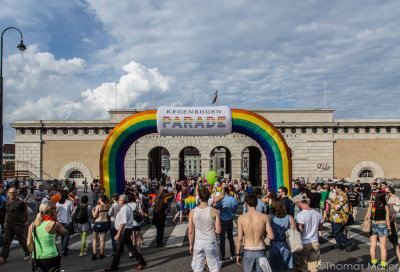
(112, 172)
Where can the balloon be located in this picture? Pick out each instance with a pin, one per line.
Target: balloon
(211, 177)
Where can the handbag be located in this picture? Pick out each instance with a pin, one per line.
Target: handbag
(137, 216)
(293, 239)
(366, 226)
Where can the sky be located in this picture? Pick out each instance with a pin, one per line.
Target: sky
(257, 54)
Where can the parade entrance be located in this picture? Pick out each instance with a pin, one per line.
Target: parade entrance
(199, 121)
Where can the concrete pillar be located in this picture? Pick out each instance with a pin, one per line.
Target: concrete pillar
(174, 168)
(236, 168)
(205, 165)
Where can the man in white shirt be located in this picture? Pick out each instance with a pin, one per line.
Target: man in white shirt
(308, 222)
(124, 224)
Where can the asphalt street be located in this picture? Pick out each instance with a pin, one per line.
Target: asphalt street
(176, 257)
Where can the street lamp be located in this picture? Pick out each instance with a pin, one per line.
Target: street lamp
(21, 47)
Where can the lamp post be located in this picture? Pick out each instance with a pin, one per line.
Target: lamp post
(21, 47)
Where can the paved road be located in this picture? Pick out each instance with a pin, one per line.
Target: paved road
(175, 256)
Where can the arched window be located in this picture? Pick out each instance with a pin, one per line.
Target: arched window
(75, 174)
(366, 174)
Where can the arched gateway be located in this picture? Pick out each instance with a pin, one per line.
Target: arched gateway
(244, 122)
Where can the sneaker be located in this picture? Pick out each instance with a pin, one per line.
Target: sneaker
(350, 247)
(233, 258)
(141, 266)
(94, 257)
(27, 258)
(384, 264)
(374, 262)
(82, 254)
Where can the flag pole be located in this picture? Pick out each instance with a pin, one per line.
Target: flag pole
(116, 94)
(325, 92)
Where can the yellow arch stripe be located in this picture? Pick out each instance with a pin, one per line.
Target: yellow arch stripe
(275, 136)
(113, 138)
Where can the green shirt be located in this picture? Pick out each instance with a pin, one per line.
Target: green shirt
(46, 244)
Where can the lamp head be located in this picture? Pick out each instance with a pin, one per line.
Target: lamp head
(21, 46)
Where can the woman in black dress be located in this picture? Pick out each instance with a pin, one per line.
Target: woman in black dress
(159, 216)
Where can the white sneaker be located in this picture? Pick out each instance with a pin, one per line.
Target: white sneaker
(27, 258)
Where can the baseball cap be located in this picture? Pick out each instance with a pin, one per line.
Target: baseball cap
(298, 198)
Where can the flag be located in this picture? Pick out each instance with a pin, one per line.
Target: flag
(215, 97)
(168, 196)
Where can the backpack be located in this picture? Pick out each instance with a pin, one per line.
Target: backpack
(81, 215)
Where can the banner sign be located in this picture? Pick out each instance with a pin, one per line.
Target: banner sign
(194, 121)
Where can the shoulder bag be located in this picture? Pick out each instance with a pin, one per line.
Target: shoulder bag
(293, 239)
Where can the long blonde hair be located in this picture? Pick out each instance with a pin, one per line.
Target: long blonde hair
(44, 208)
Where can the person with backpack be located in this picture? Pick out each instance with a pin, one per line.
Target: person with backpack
(81, 217)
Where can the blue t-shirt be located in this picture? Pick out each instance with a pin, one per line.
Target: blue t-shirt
(261, 207)
(227, 207)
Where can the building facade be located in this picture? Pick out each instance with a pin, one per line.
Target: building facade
(320, 146)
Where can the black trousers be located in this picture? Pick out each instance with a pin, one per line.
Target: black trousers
(125, 238)
(226, 230)
(11, 231)
(160, 234)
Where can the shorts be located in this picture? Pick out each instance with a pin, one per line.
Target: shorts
(100, 227)
(309, 258)
(179, 206)
(251, 261)
(205, 249)
(136, 228)
(379, 229)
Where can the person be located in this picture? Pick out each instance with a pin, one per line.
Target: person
(204, 224)
(82, 215)
(308, 222)
(85, 185)
(227, 205)
(360, 189)
(48, 196)
(339, 214)
(179, 206)
(39, 196)
(271, 195)
(101, 225)
(261, 205)
(282, 194)
(23, 187)
(65, 207)
(394, 207)
(295, 189)
(124, 224)
(249, 188)
(254, 227)
(354, 199)
(112, 213)
(16, 220)
(3, 200)
(378, 212)
(42, 238)
(137, 226)
(159, 216)
(280, 256)
(324, 195)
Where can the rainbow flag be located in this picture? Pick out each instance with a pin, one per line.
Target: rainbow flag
(190, 202)
(168, 196)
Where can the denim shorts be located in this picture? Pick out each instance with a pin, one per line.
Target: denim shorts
(251, 261)
(179, 206)
(379, 229)
(100, 227)
(136, 228)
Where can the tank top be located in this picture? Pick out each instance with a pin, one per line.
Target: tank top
(46, 244)
(380, 214)
(178, 197)
(204, 224)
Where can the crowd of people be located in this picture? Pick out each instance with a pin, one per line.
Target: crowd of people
(210, 210)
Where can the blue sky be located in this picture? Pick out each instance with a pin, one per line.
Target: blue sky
(258, 54)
